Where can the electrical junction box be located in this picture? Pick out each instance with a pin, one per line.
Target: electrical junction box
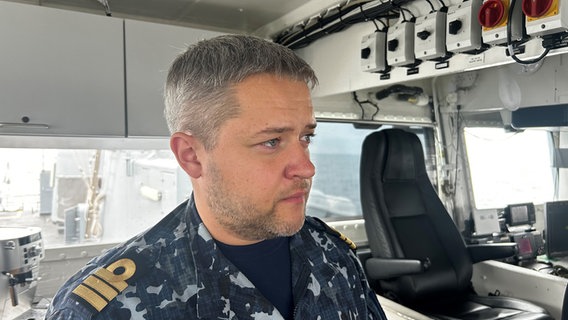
(544, 17)
(400, 44)
(494, 16)
(373, 52)
(463, 31)
(430, 36)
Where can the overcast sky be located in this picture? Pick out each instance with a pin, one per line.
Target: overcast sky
(338, 138)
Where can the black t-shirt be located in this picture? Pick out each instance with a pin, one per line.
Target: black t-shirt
(267, 265)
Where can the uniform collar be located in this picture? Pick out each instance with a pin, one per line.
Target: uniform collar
(220, 284)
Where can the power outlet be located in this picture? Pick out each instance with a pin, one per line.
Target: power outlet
(463, 31)
(373, 52)
(400, 44)
(545, 17)
(430, 36)
(493, 17)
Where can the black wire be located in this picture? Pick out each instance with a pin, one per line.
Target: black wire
(401, 13)
(323, 21)
(341, 18)
(108, 13)
(401, 10)
(301, 38)
(431, 6)
(367, 18)
(410, 12)
(385, 26)
(510, 41)
(299, 43)
(360, 103)
(376, 25)
(443, 4)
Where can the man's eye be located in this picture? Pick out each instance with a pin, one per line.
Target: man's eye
(308, 138)
(272, 143)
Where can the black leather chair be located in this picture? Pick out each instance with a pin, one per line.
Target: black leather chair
(418, 257)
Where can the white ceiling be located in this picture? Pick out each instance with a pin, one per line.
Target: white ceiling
(240, 16)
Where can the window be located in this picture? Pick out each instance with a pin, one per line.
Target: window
(108, 194)
(509, 167)
(335, 153)
(54, 189)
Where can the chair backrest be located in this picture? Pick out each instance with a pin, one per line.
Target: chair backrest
(405, 218)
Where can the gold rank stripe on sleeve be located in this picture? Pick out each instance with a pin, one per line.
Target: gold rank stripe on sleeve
(105, 284)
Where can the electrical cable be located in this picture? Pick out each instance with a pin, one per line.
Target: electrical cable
(431, 6)
(401, 12)
(341, 18)
(510, 46)
(385, 26)
(400, 89)
(402, 9)
(323, 20)
(367, 19)
(106, 6)
(360, 104)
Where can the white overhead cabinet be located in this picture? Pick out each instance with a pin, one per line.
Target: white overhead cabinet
(150, 48)
(61, 72)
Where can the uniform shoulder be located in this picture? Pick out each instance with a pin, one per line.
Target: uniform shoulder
(101, 281)
(320, 225)
(93, 290)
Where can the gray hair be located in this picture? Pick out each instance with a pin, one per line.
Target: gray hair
(198, 91)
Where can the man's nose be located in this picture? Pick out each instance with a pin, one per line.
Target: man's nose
(300, 164)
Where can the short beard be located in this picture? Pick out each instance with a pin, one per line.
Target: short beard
(238, 214)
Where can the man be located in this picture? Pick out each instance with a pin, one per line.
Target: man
(241, 118)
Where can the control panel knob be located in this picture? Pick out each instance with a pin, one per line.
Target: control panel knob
(365, 53)
(423, 35)
(536, 8)
(392, 45)
(491, 14)
(454, 27)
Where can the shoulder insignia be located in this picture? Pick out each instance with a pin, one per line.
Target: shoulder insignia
(336, 233)
(349, 242)
(99, 288)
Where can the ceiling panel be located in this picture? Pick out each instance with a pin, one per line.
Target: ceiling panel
(224, 15)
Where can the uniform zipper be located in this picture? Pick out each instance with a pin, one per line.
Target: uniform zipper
(302, 286)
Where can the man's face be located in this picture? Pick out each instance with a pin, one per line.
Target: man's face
(258, 176)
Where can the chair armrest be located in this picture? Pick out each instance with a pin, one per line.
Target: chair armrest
(490, 251)
(386, 268)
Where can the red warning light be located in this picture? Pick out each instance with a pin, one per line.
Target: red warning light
(491, 14)
(536, 8)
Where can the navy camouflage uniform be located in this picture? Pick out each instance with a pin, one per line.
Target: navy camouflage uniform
(175, 271)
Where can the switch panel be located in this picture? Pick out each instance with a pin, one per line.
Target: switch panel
(430, 36)
(373, 52)
(545, 17)
(400, 44)
(463, 31)
(493, 17)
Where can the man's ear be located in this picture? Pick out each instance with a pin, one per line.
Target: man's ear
(185, 148)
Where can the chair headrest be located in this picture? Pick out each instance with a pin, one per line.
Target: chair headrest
(405, 158)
